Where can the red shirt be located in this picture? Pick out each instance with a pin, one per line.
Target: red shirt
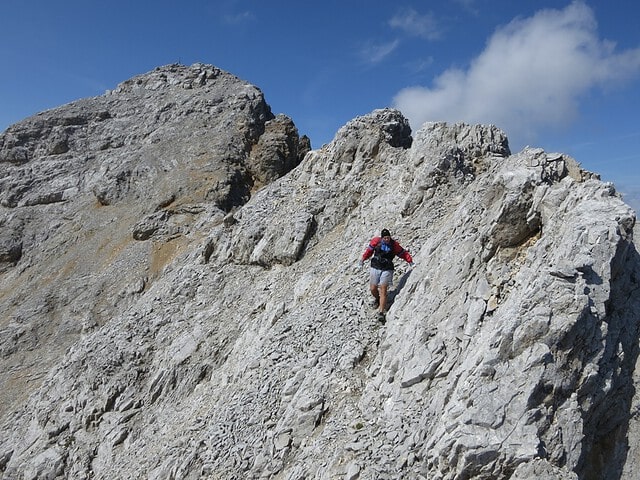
(396, 251)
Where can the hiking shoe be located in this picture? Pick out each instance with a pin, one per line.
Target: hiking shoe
(381, 317)
(375, 303)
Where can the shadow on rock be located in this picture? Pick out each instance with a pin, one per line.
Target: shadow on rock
(396, 291)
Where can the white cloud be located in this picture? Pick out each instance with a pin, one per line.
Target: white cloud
(376, 53)
(412, 23)
(531, 75)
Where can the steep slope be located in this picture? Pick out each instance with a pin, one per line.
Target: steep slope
(97, 196)
(509, 351)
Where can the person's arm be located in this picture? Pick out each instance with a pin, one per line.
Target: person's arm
(402, 253)
(368, 252)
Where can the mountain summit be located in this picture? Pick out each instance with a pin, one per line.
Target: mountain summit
(180, 297)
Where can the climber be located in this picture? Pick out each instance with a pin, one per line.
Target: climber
(383, 249)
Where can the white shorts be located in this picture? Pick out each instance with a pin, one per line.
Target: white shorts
(380, 277)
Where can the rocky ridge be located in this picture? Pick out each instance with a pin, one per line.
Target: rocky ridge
(193, 309)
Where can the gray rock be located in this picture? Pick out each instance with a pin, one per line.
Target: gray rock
(80, 183)
(190, 321)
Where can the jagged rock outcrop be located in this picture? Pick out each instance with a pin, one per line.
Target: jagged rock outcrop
(246, 348)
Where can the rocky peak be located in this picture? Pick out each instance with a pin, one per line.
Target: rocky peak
(234, 338)
(100, 194)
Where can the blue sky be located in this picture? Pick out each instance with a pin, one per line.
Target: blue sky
(560, 75)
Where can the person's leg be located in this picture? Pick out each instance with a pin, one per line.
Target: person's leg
(375, 292)
(383, 297)
(374, 279)
(386, 280)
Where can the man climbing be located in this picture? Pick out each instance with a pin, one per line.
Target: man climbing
(383, 249)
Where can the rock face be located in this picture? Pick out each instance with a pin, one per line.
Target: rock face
(180, 297)
(99, 195)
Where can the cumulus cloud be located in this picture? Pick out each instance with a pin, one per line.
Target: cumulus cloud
(412, 23)
(530, 76)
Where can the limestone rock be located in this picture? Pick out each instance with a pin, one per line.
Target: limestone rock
(190, 322)
(102, 192)
(278, 150)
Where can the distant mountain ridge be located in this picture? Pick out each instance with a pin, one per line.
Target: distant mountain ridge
(180, 297)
